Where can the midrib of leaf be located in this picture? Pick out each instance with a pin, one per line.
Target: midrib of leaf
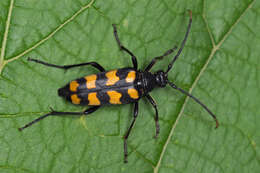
(213, 51)
(3, 62)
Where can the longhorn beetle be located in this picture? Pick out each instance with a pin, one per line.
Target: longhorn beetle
(120, 86)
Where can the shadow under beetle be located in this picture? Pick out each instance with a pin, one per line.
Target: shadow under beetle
(120, 86)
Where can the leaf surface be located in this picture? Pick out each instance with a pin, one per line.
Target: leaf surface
(219, 65)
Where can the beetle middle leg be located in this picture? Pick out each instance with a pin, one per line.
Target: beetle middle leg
(156, 118)
(56, 113)
(93, 64)
(129, 130)
(134, 60)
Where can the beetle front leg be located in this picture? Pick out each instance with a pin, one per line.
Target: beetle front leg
(155, 60)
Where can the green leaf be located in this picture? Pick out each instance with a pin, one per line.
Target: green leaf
(219, 65)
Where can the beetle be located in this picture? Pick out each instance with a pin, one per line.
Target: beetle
(119, 86)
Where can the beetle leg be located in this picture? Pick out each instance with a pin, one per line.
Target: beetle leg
(156, 118)
(129, 130)
(134, 60)
(94, 64)
(56, 113)
(168, 52)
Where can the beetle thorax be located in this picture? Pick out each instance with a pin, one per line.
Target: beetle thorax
(147, 81)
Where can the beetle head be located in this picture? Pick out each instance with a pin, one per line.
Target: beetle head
(161, 78)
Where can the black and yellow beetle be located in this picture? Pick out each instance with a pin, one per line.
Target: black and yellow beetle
(120, 86)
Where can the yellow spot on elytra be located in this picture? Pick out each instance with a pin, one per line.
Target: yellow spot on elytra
(73, 86)
(114, 97)
(91, 81)
(75, 99)
(130, 76)
(133, 93)
(112, 78)
(92, 98)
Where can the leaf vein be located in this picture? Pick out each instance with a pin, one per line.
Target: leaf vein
(2, 63)
(213, 51)
(50, 35)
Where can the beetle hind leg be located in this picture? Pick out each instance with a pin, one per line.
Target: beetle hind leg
(66, 67)
(56, 113)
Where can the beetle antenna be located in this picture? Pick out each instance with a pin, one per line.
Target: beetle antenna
(182, 44)
(196, 100)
